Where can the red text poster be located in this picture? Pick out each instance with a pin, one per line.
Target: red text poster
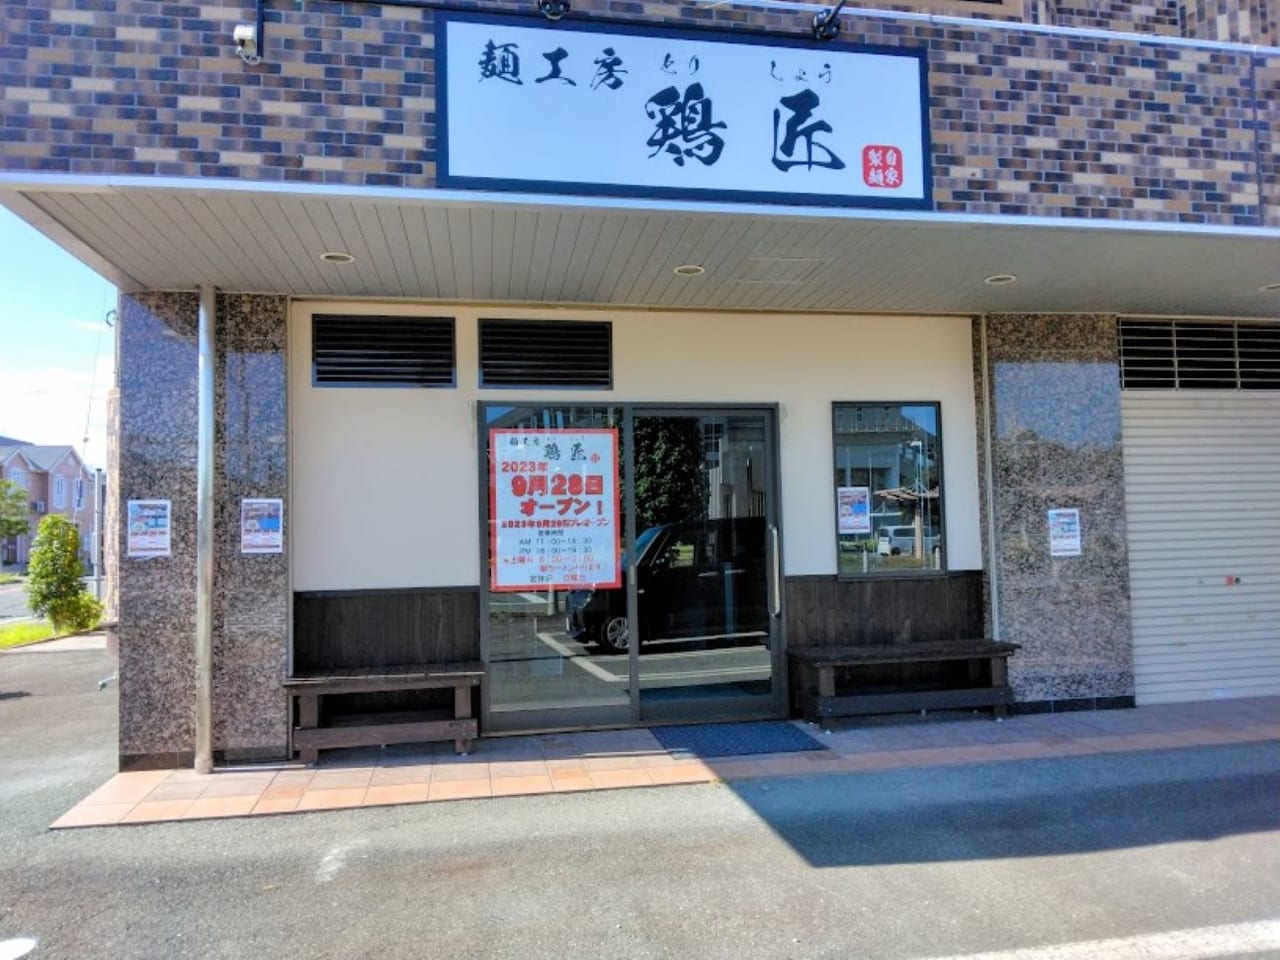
(553, 509)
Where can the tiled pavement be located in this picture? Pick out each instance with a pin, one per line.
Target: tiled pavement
(562, 763)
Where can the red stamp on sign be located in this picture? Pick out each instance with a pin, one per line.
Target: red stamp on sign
(882, 166)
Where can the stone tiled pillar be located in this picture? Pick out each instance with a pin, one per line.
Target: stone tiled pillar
(157, 596)
(251, 609)
(1054, 388)
(157, 366)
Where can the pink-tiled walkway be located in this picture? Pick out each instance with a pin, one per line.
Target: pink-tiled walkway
(559, 763)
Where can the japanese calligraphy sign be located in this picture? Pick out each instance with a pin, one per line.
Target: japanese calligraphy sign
(628, 111)
(553, 509)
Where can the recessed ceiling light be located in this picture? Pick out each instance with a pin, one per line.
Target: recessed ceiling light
(337, 256)
(690, 270)
(1000, 279)
(1269, 288)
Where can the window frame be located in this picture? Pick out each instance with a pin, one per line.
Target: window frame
(942, 569)
(59, 492)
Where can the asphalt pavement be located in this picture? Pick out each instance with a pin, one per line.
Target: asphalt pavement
(1159, 853)
(13, 602)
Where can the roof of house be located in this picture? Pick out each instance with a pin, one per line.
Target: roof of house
(12, 442)
(41, 457)
(46, 458)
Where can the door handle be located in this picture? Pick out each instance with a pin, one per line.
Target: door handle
(775, 586)
(709, 573)
(734, 572)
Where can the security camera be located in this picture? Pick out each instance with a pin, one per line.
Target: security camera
(246, 38)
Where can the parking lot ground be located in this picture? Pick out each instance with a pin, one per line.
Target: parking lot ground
(1129, 847)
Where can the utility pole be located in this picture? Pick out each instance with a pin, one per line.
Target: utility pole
(96, 553)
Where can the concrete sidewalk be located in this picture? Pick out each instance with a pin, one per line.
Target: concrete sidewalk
(557, 763)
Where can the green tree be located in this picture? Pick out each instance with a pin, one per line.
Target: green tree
(670, 481)
(13, 510)
(55, 588)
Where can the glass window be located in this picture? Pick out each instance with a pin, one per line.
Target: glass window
(18, 476)
(888, 488)
(59, 491)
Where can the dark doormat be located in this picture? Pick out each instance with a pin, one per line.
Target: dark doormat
(706, 740)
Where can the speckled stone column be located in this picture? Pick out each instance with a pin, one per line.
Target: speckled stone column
(251, 609)
(157, 365)
(1054, 387)
(157, 595)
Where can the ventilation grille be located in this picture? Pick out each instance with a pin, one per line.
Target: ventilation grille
(546, 353)
(357, 351)
(1163, 355)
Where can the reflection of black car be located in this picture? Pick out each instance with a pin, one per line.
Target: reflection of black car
(697, 579)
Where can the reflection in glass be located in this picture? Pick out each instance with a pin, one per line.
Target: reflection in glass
(888, 488)
(701, 566)
(702, 487)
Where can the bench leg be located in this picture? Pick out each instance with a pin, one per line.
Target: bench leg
(826, 688)
(999, 678)
(462, 711)
(308, 719)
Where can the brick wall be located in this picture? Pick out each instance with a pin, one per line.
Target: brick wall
(1160, 17)
(1237, 21)
(1023, 123)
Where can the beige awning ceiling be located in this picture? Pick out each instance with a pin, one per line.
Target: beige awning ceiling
(454, 247)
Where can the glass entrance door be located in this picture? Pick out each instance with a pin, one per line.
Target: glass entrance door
(675, 620)
(707, 604)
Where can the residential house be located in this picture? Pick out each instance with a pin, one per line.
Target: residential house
(56, 481)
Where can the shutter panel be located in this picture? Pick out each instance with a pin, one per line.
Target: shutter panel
(360, 351)
(1203, 504)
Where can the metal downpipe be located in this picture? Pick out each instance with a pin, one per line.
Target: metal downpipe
(204, 532)
(989, 475)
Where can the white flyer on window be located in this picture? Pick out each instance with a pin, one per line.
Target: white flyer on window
(149, 528)
(1064, 532)
(553, 509)
(853, 509)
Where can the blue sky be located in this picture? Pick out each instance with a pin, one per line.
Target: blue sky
(56, 351)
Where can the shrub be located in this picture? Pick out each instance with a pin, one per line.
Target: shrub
(54, 578)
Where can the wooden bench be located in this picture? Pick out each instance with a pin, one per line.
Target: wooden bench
(985, 685)
(370, 730)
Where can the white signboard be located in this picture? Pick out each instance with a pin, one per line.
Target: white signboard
(1064, 532)
(261, 526)
(553, 509)
(149, 525)
(584, 109)
(853, 509)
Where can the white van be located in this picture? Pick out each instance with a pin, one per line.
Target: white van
(892, 541)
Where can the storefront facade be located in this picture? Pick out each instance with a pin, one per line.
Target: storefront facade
(940, 377)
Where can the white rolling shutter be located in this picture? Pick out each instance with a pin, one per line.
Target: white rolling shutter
(1202, 489)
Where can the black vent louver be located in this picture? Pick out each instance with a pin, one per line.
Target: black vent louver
(358, 351)
(546, 353)
(1186, 355)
